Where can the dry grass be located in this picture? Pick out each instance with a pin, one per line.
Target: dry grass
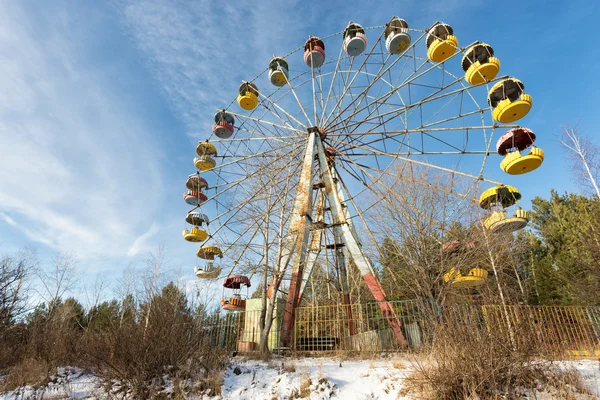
(28, 372)
(289, 366)
(465, 363)
(304, 390)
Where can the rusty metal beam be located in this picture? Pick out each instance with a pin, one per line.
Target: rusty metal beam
(354, 249)
(299, 227)
(315, 245)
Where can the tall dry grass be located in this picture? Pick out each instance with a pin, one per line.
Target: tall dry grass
(464, 362)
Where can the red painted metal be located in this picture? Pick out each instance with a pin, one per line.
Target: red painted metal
(388, 310)
(236, 282)
(517, 138)
(195, 182)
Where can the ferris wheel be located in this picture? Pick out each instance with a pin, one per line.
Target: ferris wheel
(313, 134)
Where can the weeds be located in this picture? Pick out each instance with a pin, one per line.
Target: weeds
(464, 363)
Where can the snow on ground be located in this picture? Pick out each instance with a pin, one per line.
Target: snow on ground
(313, 378)
(320, 378)
(589, 370)
(68, 383)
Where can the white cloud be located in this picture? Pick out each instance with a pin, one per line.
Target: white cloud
(7, 219)
(201, 51)
(76, 158)
(141, 242)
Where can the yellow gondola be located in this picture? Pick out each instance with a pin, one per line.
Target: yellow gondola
(510, 146)
(504, 196)
(278, 71)
(441, 42)
(509, 101)
(206, 149)
(205, 162)
(475, 277)
(195, 235)
(479, 64)
(498, 222)
(515, 163)
(248, 96)
(209, 252)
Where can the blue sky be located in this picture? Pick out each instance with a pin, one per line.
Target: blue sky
(102, 103)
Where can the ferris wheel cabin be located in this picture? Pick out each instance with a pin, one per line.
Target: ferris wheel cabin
(509, 101)
(196, 182)
(355, 39)
(223, 126)
(441, 42)
(497, 199)
(314, 52)
(397, 37)
(462, 278)
(511, 144)
(248, 96)
(479, 64)
(236, 301)
(278, 71)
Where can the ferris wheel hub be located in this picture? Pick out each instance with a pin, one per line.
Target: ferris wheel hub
(321, 132)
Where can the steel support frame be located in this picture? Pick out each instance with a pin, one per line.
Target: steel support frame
(299, 237)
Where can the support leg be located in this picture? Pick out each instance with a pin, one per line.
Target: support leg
(360, 259)
(315, 245)
(301, 217)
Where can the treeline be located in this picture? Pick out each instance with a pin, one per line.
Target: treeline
(135, 340)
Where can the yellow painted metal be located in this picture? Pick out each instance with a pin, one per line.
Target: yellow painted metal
(493, 218)
(516, 164)
(510, 224)
(475, 277)
(251, 332)
(204, 163)
(505, 195)
(441, 50)
(248, 101)
(507, 111)
(206, 149)
(195, 235)
(209, 252)
(480, 73)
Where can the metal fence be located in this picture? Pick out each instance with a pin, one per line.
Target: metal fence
(572, 330)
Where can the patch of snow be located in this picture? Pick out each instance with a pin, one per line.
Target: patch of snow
(324, 378)
(313, 378)
(69, 382)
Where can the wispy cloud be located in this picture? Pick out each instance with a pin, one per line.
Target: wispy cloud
(141, 242)
(200, 51)
(76, 158)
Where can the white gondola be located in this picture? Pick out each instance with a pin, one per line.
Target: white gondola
(355, 39)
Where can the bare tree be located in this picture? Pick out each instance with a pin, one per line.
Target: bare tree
(15, 271)
(94, 294)
(268, 216)
(59, 279)
(125, 291)
(417, 212)
(584, 156)
(155, 263)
